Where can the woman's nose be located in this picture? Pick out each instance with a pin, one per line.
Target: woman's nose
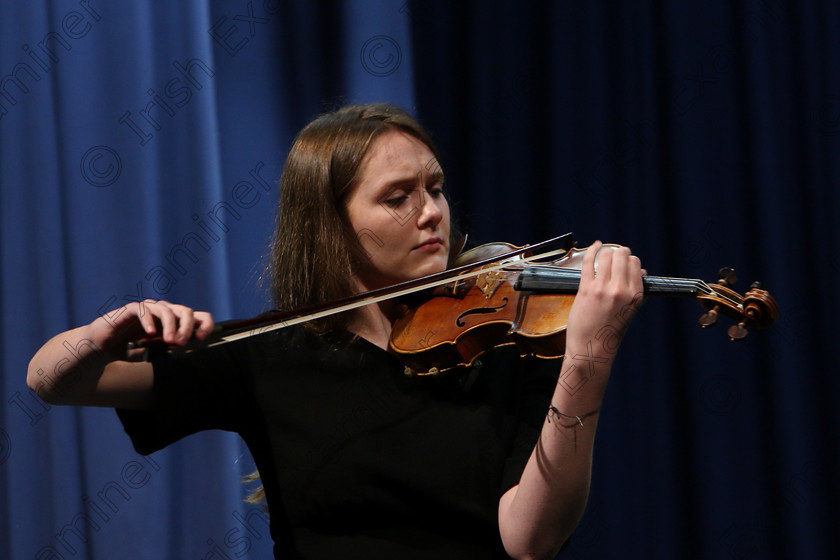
(431, 211)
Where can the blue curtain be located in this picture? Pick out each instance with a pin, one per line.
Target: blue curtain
(140, 143)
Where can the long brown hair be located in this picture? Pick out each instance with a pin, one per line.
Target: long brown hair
(314, 250)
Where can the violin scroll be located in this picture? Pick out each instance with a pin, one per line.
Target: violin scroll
(756, 308)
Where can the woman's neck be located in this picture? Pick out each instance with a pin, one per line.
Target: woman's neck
(373, 323)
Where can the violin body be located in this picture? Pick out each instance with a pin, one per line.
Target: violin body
(464, 319)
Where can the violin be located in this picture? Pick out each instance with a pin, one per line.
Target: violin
(527, 304)
(496, 295)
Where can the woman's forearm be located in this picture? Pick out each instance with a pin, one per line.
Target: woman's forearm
(66, 366)
(538, 515)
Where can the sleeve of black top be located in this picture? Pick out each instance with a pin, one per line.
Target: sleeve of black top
(538, 378)
(192, 392)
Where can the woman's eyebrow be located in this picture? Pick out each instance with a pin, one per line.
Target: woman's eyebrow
(413, 181)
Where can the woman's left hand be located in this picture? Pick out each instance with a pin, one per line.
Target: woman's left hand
(608, 297)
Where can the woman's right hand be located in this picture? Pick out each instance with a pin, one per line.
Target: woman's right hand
(91, 365)
(171, 323)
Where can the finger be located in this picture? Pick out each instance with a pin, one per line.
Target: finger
(186, 323)
(204, 324)
(634, 269)
(606, 258)
(147, 320)
(588, 266)
(167, 320)
(620, 264)
(635, 273)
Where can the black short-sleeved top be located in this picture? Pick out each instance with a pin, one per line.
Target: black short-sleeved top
(357, 459)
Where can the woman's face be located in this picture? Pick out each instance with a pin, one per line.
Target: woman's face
(398, 212)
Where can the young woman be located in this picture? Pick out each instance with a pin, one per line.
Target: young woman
(358, 460)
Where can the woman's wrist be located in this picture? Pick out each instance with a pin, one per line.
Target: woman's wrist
(99, 335)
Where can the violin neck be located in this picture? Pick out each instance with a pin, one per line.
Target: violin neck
(566, 280)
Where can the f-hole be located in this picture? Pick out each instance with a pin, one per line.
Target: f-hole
(480, 311)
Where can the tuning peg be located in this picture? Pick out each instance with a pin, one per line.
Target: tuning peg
(755, 285)
(709, 318)
(738, 332)
(727, 276)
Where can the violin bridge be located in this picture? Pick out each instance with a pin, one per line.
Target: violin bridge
(489, 282)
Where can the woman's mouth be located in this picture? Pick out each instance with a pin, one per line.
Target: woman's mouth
(430, 245)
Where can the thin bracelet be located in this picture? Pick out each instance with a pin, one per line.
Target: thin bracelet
(553, 409)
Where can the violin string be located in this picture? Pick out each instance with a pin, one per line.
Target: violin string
(669, 284)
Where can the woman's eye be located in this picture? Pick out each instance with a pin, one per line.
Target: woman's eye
(395, 201)
(435, 191)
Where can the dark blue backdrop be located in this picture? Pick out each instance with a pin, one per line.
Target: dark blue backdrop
(139, 147)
